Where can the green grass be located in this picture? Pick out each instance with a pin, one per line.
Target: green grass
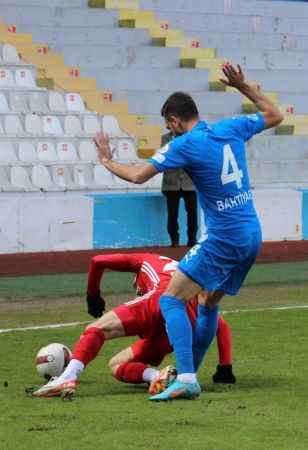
(265, 410)
(74, 285)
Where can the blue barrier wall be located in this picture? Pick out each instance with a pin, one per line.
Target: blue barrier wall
(132, 220)
(305, 215)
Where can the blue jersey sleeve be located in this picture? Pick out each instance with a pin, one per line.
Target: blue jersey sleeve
(248, 126)
(171, 156)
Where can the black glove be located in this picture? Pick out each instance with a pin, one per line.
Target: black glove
(96, 305)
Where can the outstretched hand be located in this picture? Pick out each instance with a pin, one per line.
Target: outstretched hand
(235, 77)
(103, 148)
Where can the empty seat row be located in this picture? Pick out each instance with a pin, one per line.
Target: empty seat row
(64, 177)
(45, 151)
(74, 125)
(41, 102)
(18, 78)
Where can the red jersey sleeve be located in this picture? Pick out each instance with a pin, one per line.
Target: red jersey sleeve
(119, 262)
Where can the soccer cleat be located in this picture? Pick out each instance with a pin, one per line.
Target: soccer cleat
(178, 390)
(165, 377)
(56, 388)
(224, 375)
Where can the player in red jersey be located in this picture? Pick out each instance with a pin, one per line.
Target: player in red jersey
(141, 317)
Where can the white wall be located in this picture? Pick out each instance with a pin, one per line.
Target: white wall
(40, 222)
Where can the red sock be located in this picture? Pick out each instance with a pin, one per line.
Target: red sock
(131, 372)
(224, 342)
(89, 345)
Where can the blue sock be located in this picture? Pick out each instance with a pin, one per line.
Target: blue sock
(179, 331)
(204, 332)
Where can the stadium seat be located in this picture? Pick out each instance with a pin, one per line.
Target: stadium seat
(12, 125)
(91, 124)
(56, 102)
(83, 176)
(27, 152)
(52, 125)
(20, 179)
(9, 54)
(18, 102)
(4, 107)
(87, 151)
(74, 102)
(66, 151)
(46, 152)
(126, 150)
(155, 182)
(7, 153)
(111, 126)
(38, 102)
(41, 179)
(5, 184)
(103, 178)
(72, 126)
(33, 124)
(62, 177)
(6, 78)
(24, 78)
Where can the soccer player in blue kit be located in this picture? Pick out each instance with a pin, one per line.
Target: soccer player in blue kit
(214, 157)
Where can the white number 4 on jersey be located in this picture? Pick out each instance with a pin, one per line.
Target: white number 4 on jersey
(235, 175)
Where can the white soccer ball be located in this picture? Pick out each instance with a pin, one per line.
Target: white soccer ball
(52, 360)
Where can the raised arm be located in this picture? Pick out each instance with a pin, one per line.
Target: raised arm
(135, 173)
(236, 79)
(118, 262)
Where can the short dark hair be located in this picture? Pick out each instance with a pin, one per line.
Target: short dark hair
(180, 105)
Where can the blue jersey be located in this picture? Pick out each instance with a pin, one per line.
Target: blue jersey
(214, 157)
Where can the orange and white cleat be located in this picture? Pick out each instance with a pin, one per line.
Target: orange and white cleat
(166, 376)
(57, 388)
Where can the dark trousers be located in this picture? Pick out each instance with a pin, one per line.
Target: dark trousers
(190, 201)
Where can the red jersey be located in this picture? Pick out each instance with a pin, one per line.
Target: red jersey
(152, 271)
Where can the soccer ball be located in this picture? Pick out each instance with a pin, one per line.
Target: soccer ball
(52, 360)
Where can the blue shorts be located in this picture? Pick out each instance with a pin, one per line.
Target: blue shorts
(220, 264)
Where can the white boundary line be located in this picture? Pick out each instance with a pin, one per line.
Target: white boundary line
(74, 324)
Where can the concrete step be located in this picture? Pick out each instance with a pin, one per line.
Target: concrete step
(150, 80)
(97, 57)
(150, 102)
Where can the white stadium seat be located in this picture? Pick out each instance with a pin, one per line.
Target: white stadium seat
(18, 102)
(74, 102)
(103, 178)
(91, 124)
(9, 54)
(4, 107)
(7, 153)
(62, 177)
(38, 102)
(87, 151)
(24, 78)
(5, 184)
(20, 179)
(66, 151)
(83, 176)
(41, 178)
(33, 124)
(126, 150)
(52, 125)
(12, 125)
(111, 126)
(72, 126)
(6, 78)
(56, 102)
(46, 152)
(27, 152)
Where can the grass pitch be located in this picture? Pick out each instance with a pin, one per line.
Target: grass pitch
(266, 409)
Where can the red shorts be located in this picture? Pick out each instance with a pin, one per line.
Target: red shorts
(151, 351)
